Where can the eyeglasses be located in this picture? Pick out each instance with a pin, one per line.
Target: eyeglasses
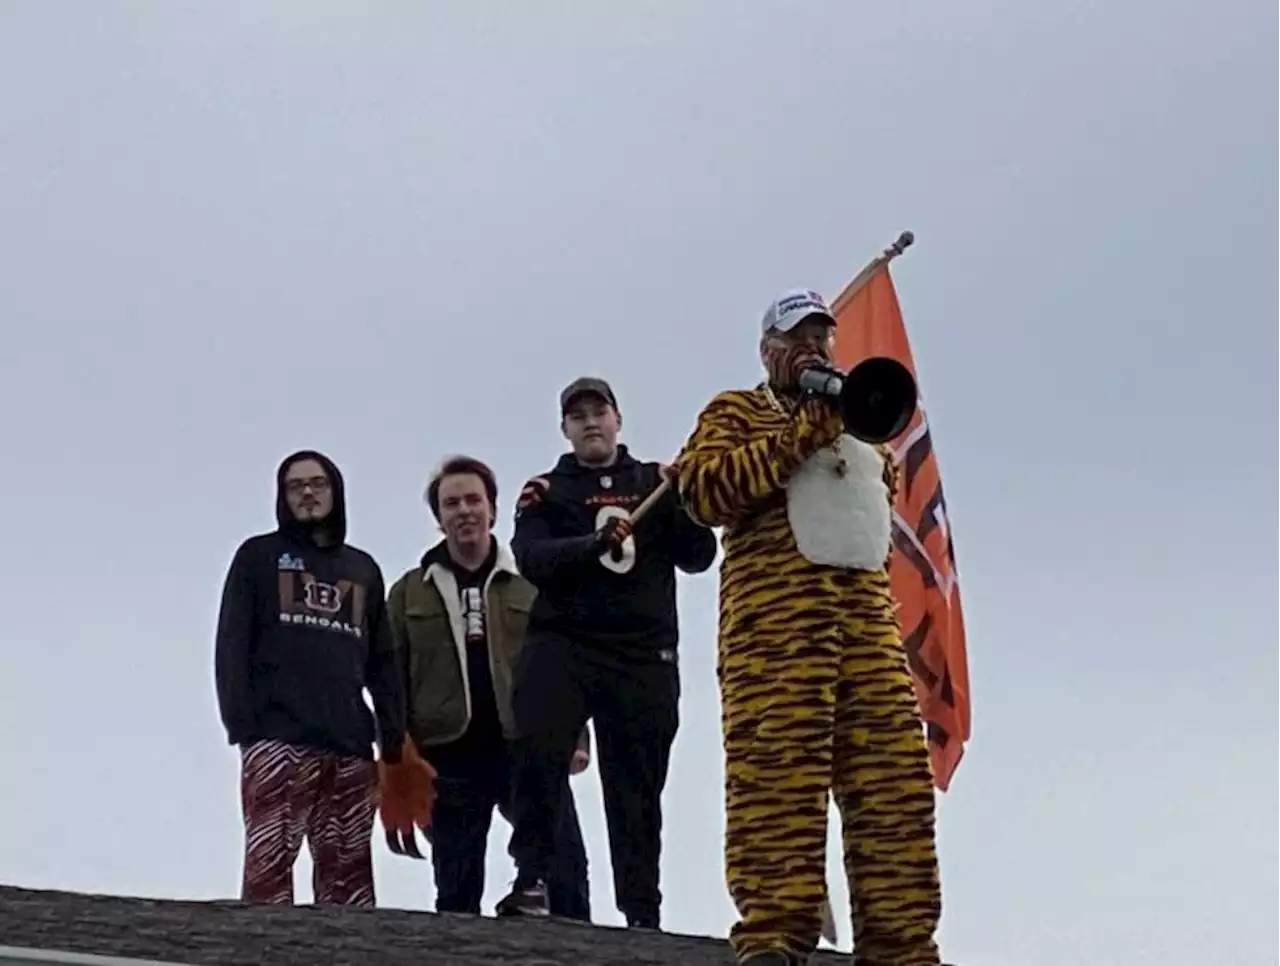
(317, 484)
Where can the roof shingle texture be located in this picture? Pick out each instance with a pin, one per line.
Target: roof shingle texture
(224, 933)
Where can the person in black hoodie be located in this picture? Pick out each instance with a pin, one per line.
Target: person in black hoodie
(601, 645)
(302, 631)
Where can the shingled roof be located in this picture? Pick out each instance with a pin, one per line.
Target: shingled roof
(224, 933)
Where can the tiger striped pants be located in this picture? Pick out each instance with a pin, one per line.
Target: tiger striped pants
(812, 710)
(290, 792)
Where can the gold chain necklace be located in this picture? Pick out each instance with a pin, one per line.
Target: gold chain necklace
(774, 401)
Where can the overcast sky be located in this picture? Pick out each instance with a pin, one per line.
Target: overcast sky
(391, 231)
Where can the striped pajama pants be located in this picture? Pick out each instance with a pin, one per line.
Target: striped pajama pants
(290, 792)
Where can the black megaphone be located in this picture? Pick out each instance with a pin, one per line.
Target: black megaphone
(877, 399)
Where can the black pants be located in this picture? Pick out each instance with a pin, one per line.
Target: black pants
(468, 793)
(635, 713)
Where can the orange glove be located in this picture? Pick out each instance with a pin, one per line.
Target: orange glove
(406, 797)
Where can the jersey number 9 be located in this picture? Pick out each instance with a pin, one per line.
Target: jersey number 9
(624, 563)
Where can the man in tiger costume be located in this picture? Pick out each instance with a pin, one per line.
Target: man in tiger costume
(815, 689)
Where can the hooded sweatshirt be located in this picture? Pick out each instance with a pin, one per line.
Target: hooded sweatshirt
(302, 630)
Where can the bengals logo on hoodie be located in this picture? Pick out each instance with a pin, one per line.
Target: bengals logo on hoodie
(309, 602)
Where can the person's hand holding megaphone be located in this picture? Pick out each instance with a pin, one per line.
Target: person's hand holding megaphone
(818, 422)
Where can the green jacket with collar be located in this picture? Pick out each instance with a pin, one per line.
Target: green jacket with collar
(426, 626)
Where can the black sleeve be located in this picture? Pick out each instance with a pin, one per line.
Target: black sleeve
(540, 557)
(382, 674)
(691, 546)
(233, 647)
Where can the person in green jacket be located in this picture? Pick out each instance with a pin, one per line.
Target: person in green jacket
(458, 621)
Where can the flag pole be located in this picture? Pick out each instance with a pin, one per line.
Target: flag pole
(905, 241)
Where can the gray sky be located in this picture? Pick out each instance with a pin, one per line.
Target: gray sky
(391, 231)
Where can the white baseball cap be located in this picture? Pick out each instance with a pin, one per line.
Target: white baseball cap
(793, 307)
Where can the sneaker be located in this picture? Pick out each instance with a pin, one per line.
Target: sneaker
(643, 922)
(530, 900)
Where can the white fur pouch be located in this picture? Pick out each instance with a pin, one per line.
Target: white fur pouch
(841, 520)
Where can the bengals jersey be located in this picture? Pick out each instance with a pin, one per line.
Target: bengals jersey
(624, 605)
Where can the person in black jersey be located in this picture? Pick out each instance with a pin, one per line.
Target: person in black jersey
(601, 645)
(458, 620)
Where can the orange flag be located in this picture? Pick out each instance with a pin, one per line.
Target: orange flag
(922, 565)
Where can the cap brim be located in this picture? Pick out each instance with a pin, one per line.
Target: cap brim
(787, 323)
(577, 394)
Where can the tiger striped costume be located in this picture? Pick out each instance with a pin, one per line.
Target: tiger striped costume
(815, 689)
